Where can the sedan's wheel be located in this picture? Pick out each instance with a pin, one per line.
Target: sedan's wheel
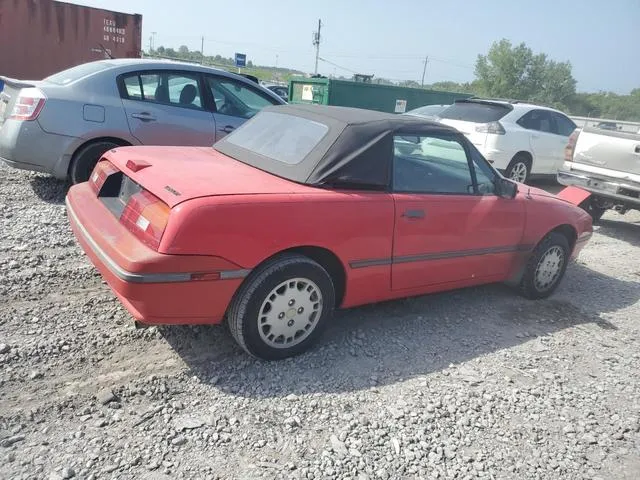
(282, 307)
(85, 159)
(518, 169)
(546, 267)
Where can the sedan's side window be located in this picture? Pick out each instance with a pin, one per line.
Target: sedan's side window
(235, 98)
(168, 88)
(431, 164)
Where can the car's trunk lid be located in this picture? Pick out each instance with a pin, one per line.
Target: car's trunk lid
(466, 115)
(176, 174)
(468, 129)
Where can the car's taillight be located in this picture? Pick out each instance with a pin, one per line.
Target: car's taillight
(100, 173)
(146, 217)
(29, 104)
(571, 145)
(491, 127)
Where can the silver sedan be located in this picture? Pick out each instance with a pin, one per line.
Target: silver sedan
(63, 124)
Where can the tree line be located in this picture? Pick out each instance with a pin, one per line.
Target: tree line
(506, 71)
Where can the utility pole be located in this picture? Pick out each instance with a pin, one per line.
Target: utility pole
(424, 70)
(202, 52)
(316, 43)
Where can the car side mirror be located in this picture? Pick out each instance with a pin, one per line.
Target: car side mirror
(506, 188)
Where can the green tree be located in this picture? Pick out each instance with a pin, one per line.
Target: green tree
(183, 50)
(510, 71)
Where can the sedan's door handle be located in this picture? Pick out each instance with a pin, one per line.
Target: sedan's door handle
(144, 116)
(413, 214)
(637, 149)
(227, 129)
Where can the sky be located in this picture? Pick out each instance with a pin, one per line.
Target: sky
(391, 39)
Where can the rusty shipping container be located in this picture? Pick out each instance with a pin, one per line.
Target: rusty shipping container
(42, 37)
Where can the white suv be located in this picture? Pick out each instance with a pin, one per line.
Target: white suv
(519, 139)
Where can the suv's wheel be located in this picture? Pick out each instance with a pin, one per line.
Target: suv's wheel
(282, 308)
(546, 267)
(85, 159)
(519, 168)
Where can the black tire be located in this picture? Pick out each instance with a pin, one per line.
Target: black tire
(244, 317)
(528, 285)
(589, 205)
(85, 159)
(520, 160)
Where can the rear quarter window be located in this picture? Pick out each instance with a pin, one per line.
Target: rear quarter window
(476, 112)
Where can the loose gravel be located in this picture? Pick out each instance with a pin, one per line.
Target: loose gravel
(477, 383)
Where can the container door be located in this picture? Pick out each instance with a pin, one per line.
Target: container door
(167, 108)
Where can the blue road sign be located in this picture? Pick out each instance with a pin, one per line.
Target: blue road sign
(241, 60)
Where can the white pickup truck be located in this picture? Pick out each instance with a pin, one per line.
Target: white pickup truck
(605, 166)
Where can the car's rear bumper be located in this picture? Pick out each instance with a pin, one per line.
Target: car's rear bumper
(615, 186)
(26, 146)
(155, 288)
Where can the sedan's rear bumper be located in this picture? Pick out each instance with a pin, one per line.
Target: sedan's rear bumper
(25, 145)
(155, 288)
(600, 182)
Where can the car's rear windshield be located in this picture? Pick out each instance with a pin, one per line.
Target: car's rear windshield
(76, 73)
(476, 112)
(285, 138)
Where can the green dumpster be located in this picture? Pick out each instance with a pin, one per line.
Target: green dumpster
(372, 96)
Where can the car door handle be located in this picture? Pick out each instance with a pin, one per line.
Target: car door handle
(144, 116)
(533, 135)
(227, 129)
(413, 214)
(637, 149)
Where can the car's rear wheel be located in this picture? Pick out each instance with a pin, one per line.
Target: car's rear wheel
(85, 159)
(282, 307)
(519, 169)
(546, 267)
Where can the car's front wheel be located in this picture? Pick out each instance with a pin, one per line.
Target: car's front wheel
(282, 307)
(546, 266)
(591, 206)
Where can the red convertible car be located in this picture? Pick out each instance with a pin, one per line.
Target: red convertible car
(305, 209)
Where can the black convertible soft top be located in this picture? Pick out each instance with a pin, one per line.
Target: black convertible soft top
(324, 145)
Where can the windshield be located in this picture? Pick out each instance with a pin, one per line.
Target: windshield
(76, 73)
(476, 112)
(284, 138)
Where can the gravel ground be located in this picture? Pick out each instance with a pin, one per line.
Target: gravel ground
(477, 383)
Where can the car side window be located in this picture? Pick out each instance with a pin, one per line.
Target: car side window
(168, 88)
(133, 87)
(234, 98)
(431, 164)
(565, 125)
(540, 120)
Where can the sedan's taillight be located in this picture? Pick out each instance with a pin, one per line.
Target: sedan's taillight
(29, 104)
(491, 127)
(571, 145)
(146, 217)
